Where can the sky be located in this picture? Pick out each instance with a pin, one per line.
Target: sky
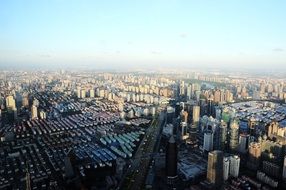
(115, 34)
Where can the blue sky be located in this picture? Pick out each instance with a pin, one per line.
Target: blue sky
(133, 33)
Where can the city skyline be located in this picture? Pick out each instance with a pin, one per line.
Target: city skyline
(128, 34)
(153, 94)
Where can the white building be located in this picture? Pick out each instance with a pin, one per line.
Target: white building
(182, 88)
(131, 114)
(225, 168)
(234, 165)
(78, 92)
(128, 97)
(208, 141)
(184, 130)
(189, 92)
(91, 93)
(153, 111)
(101, 93)
(146, 112)
(34, 112)
(122, 115)
(43, 114)
(82, 93)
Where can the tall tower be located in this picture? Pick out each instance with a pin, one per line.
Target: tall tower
(171, 161)
(215, 167)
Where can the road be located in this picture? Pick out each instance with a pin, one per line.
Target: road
(134, 178)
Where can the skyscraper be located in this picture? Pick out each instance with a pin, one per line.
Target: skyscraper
(183, 130)
(228, 96)
(83, 93)
(210, 108)
(170, 114)
(91, 93)
(25, 101)
(243, 143)
(215, 167)
(34, 112)
(254, 151)
(184, 116)
(252, 126)
(43, 114)
(217, 97)
(225, 168)
(182, 88)
(234, 166)
(196, 115)
(208, 140)
(36, 102)
(171, 160)
(189, 91)
(234, 136)
(10, 102)
(222, 135)
(78, 92)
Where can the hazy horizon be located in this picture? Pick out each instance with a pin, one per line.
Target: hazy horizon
(146, 34)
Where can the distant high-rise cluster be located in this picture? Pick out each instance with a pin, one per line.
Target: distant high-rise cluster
(188, 130)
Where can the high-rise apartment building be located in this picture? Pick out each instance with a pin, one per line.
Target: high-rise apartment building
(225, 168)
(208, 141)
(243, 143)
(254, 151)
(234, 136)
(234, 165)
(185, 116)
(10, 102)
(196, 115)
(222, 135)
(91, 93)
(215, 167)
(34, 112)
(189, 92)
(182, 88)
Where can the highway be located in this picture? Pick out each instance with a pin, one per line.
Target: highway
(134, 178)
